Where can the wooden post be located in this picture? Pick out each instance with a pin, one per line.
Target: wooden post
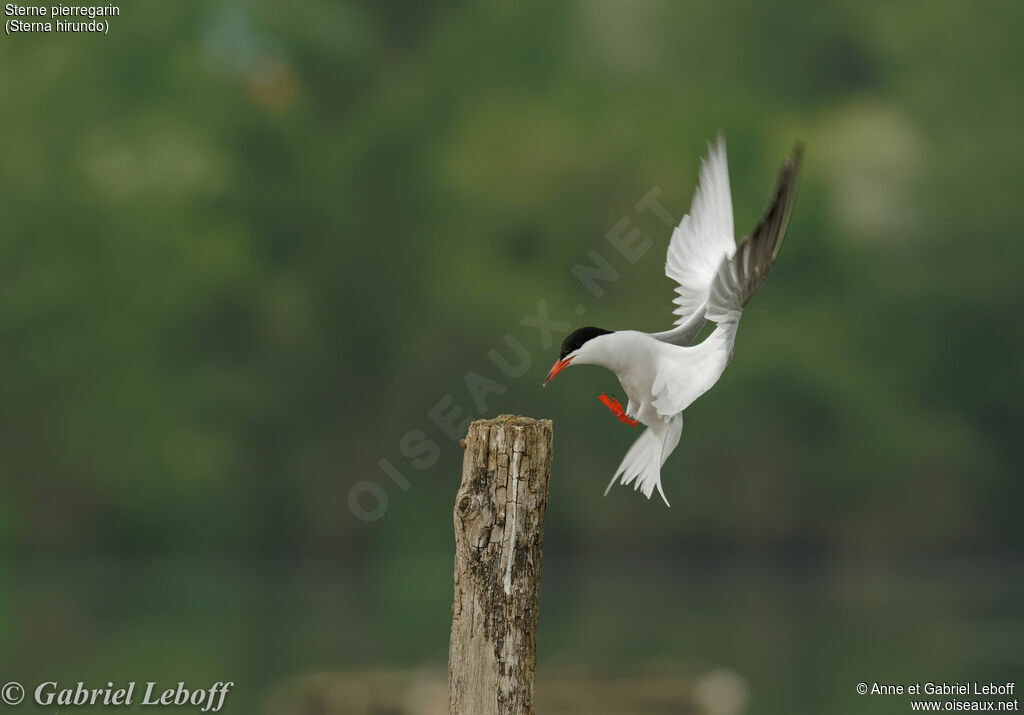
(499, 530)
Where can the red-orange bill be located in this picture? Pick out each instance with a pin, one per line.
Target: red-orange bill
(557, 368)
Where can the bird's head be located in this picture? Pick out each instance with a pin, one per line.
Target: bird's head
(580, 347)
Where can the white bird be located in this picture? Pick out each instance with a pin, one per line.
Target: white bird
(662, 373)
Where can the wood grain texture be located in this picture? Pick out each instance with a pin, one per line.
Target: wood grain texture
(499, 532)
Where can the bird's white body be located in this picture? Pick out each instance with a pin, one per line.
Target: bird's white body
(660, 381)
(661, 373)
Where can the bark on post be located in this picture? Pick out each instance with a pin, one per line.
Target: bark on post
(499, 531)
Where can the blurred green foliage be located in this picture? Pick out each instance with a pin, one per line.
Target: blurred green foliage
(247, 247)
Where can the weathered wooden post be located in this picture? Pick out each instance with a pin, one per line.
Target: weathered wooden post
(499, 531)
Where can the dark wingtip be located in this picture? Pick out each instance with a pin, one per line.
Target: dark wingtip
(798, 153)
(785, 195)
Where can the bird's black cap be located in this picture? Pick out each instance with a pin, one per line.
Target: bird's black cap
(579, 336)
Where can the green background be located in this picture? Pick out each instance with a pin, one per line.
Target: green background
(245, 250)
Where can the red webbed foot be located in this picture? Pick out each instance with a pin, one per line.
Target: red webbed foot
(616, 407)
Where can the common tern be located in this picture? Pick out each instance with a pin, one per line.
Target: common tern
(663, 373)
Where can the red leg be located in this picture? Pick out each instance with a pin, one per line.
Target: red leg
(616, 407)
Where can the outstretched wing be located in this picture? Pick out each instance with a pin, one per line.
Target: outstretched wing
(699, 243)
(740, 277)
(686, 373)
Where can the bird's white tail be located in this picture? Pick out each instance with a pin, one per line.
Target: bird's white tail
(642, 464)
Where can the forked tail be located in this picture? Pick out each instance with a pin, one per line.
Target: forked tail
(642, 464)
